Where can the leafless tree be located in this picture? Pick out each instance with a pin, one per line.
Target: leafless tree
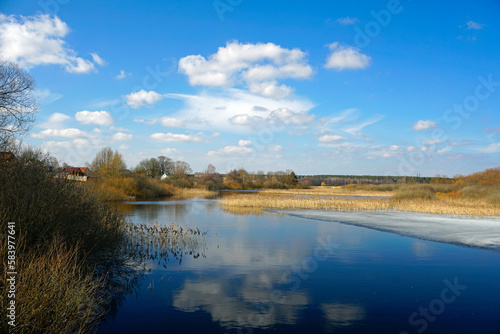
(18, 105)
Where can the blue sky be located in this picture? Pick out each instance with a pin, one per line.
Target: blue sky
(344, 87)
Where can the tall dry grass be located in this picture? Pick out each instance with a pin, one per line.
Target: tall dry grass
(183, 193)
(331, 191)
(456, 206)
(54, 292)
(296, 202)
(60, 281)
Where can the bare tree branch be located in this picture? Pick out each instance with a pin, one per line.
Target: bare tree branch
(18, 105)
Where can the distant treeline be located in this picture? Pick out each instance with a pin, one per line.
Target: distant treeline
(341, 180)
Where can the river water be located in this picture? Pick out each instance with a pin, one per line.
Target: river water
(270, 273)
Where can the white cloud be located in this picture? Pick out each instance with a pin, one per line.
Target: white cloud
(56, 120)
(142, 97)
(346, 58)
(288, 116)
(471, 25)
(492, 148)
(443, 150)
(68, 133)
(53, 145)
(45, 96)
(121, 75)
(258, 65)
(347, 20)
(432, 142)
(423, 125)
(171, 122)
(274, 148)
(178, 137)
(58, 117)
(123, 147)
(140, 120)
(243, 142)
(169, 151)
(270, 89)
(416, 149)
(246, 120)
(120, 136)
(38, 40)
(232, 150)
(356, 128)
(95, 117)
(465, 142)
(331, 138)
(393, 148)
(98, 60)
(237, 107)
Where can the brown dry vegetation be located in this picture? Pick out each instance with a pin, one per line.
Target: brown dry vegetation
(193, 192)
(475, 195)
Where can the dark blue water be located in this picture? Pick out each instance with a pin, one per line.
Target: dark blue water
(280, 274)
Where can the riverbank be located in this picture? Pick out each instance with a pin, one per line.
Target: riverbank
(460, 230)
(445, 205)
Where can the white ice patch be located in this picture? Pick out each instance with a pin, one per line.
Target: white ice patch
(466, 231)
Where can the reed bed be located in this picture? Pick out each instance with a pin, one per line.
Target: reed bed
(54, 292)
(442, 205)
(337, 203)
(329, 191)
(162, 243)
(183, 193)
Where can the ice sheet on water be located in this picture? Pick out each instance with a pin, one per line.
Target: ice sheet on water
(467, 231)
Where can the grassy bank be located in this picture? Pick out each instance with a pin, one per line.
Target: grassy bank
(65, 240)
(119, 188)
(473, 195)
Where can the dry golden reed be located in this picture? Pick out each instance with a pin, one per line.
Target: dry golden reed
(443, 205)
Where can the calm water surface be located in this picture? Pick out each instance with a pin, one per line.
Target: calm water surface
(280, 274)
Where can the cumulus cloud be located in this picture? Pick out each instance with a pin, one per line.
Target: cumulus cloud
(249, 112)
(346, 58)
(246, 120)
(56, 120)
(68, 133)
(120, 136)
(345, 21)
(38, 40)
(142, 97)
(393, 148)
(259, 66)
(178, 137)
(415, 149)
(331, 138)
(423, 125)
(243, 142)
(171, 122)
(95, 117)
(232, 150)
(54, 145)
